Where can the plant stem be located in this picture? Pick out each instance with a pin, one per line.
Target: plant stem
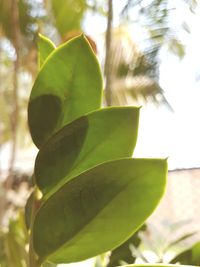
(32, 256)
(107, 68)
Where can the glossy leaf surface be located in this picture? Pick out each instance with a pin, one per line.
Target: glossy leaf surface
(45, 47)
(64, 89)
(98, 210)
(103, 135)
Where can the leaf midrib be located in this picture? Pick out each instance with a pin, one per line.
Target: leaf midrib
(83, 159)
(104, 207)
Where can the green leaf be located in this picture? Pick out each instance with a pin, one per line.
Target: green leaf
(13, 243)
(196, 254)
(68, 15)
(68, 86)
(98, 210)
(28, 210)
(183, 258)
(103, 135)
(190, 256)
(123, 252)
(45, 47)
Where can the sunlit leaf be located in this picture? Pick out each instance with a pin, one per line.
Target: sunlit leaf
(98, 210)
(68, 14)
(68, 86)
(45, 47)
(103, 135)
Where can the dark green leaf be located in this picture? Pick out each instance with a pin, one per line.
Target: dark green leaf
(28, 210)
(103, 135)
(45, 47)
(98, 210)
(190, 256)
(183, 258)
(196, 254)
(68, 85)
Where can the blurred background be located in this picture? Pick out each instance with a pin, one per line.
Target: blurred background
(148, 51)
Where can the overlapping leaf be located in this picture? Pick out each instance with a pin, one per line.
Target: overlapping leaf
(45, 47)
(98, 210)
(68, 86)
(109, 198)
(103, 135)
(190, 256)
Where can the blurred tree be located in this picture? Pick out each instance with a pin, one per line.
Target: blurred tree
(134, 72)
(18, 27)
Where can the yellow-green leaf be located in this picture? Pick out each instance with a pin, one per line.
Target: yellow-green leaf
(98, 210)
(45, 47)
(68, 85)
(103, 135)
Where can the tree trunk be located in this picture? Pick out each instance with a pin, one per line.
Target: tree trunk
(107, 67)
(15, 111)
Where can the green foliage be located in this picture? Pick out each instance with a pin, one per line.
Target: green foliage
(100, 204)
(94, 196)
(68, 15)
(28, 210)
(103, 135)
(190, 256)
(45, 46)
(64, 89)
(12, 244)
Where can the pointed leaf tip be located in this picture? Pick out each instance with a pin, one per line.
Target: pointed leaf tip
(100, 204)
(64, 89)
(102, 135)
(45, 47)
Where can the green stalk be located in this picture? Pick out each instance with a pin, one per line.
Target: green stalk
(33, 262)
